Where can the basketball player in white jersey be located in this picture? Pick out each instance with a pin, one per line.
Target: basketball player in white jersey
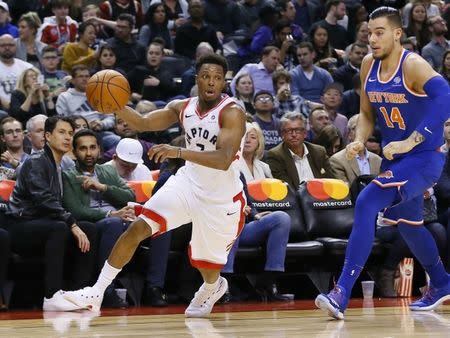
(207, 191)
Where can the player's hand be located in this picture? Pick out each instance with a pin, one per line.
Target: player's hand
(82, 240)
(353, 149)
(126, 214)
(160, 152)
(88, 183)
(397, 147)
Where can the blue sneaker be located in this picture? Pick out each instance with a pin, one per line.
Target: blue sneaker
(432, 298)
(334, 303)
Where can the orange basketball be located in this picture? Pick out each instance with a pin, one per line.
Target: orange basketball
(108, 91)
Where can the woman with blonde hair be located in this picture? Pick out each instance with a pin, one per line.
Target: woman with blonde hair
(31, 97)
(28, 48)
(250, 164)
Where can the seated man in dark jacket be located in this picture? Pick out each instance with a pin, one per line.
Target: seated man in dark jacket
(38, 223)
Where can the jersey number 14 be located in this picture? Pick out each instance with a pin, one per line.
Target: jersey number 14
(395, 117)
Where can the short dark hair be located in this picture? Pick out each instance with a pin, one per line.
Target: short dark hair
(81, 133)
(279, 74)
(214, 59)
(50, 123)
(306, 44)
(8, 119)
(331, 3)
(78, 68)
(269, 49)
(336, 86)
(59, 3)
(49, 49)
(158, 41)
(391, 14)
(359, 45)
(262, 92)
(82, 27)
(127, 17)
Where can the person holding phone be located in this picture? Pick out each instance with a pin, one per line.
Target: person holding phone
(31, 97)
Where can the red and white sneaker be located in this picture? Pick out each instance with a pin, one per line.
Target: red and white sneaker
(204, 299)
(88, 298)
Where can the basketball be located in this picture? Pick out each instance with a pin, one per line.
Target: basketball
(108, 91)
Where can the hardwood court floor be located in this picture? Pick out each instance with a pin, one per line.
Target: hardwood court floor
(377, 318)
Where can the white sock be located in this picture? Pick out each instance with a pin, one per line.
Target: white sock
(106, 277)
(213, 285)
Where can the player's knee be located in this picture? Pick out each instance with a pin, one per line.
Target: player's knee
(139, 230)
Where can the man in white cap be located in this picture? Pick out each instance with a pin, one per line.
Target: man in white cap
(5, 25)
(128, 161)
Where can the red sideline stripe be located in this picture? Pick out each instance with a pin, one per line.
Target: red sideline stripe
(240, 197)
(156, 218)
(199, 264)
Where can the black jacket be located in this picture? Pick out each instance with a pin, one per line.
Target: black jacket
(37, 192)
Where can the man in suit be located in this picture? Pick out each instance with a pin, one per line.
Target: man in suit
(294, 160)
(365, 163)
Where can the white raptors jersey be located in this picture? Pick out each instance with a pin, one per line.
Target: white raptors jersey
(201, 135)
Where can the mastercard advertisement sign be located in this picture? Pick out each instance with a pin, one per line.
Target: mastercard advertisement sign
(142, 189)
(269, 193)
(329, 193)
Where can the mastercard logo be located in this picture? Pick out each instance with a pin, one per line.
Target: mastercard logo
(142, 189)
(268, 188)
(326, 188)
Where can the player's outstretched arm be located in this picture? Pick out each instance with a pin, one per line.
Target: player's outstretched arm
(159, 119)
(366, 119)
(228, 143)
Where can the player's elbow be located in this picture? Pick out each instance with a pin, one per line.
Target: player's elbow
(224, 165)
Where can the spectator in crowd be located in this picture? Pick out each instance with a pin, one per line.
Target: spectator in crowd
(285, 101)
(188, 77)
(41, 224)
(431, 9)
(442, 193)
(54, 77)
(80, 53)
(244, 92)
(287, 12)
(106, 59)
(286, 43)
(337, 34)
(344, 74)
(326, 56)
(155, 25)
(177, 13)
(445, 66)
(318, 119)
(249, 10)
(154, 81)
(417, 25)
(446, 146)
(112, 9)
(305, 13)
(435, 49)
(308, 80)
(5, 244)
(365, 163)
(250, 164)
(261, 73)
(5, 25)
(350, 98)
(261, 34)
(357, 15)
(74, 102)
(331, 139)
(294, 160)
(361, 38)
(223, 16)
(12, 136)
(35, 132)
(129, 52)
(28, 48)
(195, 31)
(331, 99)
(103, 28)
(10, 69)
(128, 162)
(409, 44)
(59, 29)
(272, 230)
(268, 122)
(122, 129)
(95, 193)
(31, 97)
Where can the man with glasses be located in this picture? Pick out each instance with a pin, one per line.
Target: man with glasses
(53, 75)
(10, 69)
(12, 136)
(269, 123)
(294, 160)
(435, 49)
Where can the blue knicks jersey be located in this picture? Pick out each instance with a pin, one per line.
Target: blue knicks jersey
(399, 109)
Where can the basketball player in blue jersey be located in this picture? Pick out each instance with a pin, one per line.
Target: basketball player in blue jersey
(411, 103)
(207, 191)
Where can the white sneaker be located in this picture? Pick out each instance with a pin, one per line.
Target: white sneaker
(204, 300)
(88, 298)
(59, 303)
